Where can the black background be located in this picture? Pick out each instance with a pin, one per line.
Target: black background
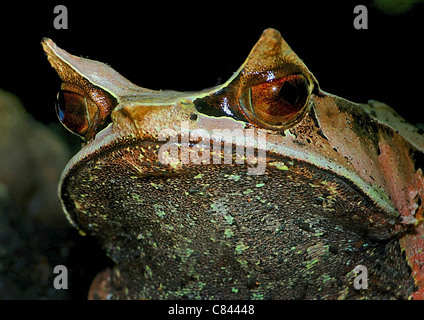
(193, 45)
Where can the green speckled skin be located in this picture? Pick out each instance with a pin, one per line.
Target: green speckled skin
(214, 232)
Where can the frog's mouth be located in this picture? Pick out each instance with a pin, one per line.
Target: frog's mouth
(131, 158)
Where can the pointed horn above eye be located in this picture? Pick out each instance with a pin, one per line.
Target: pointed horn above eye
(272, 52)
(270, 44)
(71, 68)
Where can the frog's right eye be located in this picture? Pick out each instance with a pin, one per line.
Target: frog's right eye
(75, 112)
(84, 111)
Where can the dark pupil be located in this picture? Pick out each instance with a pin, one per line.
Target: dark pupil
(289, 92)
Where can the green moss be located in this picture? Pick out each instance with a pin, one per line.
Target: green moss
(326, 278)
(228, 233)
(229, 219)
(257, 296)
(234, 177)
(247, 191)
(149, 272)
(279, 165)
(310, 263)
(241, 247)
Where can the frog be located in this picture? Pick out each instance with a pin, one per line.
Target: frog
(311, 189)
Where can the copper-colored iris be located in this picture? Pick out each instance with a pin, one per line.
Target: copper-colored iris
(279, 101)
(84, 111)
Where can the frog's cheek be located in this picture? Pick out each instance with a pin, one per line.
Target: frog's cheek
(376, 152)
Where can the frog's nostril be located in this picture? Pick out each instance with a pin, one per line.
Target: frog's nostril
(193, 117)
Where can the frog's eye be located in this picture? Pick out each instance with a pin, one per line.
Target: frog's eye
(75, 112)
(84, 112)
(278, 103)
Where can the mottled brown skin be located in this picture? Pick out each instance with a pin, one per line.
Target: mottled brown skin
(342, 187)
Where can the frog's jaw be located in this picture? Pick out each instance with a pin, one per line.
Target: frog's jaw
(207, 222)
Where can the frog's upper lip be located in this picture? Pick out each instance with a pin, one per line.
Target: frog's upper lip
(290, 148)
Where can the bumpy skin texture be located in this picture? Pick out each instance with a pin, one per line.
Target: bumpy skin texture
(342, 187)
(270, 236)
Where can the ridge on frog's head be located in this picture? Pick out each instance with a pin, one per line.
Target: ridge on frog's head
(352, 173)
(271, 61)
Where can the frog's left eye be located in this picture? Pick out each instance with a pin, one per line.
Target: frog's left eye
(278, 103)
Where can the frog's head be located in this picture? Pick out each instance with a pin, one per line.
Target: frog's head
(348, 171)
